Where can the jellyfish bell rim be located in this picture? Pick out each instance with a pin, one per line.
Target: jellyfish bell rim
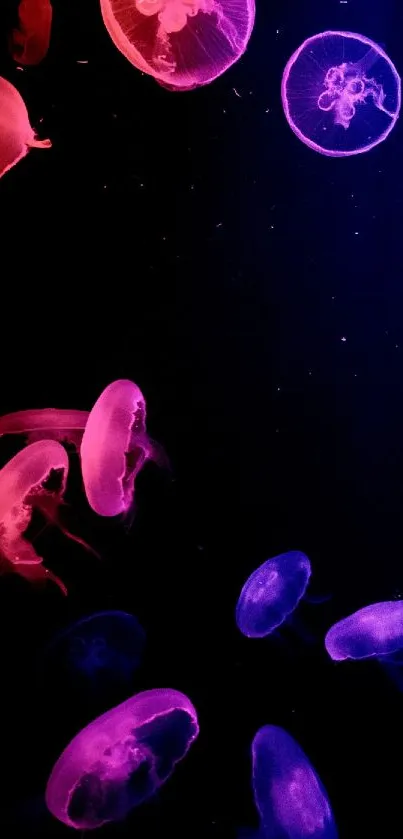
(284, 98)
(255, 573)
(378, 655)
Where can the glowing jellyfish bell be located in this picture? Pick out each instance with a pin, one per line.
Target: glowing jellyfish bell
(97, 654)
(16, 135)
(291, 800)
(46, 423)
(115, 447)
(181, 43)
(376, 631)
(272, 593)
(121, 759)
(341, 93)
(29, 42)
(24, 487)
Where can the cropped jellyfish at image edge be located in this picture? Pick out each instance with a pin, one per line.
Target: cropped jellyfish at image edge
(183, 44)
(341, 93)
(16, 135)
(272, 593)
(120, 759)
(98, 652)
(29, 42)
(291, 800)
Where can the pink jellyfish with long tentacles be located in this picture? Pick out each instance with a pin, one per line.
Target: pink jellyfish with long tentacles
(341, 93)
(24, 488)
(29, 42)
(183, 44)
(121, 758)
(16, 135)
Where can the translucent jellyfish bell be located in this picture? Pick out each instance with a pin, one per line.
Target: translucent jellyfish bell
(291, 800)
(121, 759)
(272, 593)
(29, 42)
(181, 43)
(376, 631)
(96, 654)
(16, 135)
(65, 425)
(341, 93)
(115, 447)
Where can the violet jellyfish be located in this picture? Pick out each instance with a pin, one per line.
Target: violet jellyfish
(115, 447)
(16, 135)
(272, 593)
(341, 93)
(29, 42)
(97, 654)
(376, 631)
(181, 43)
(120, 759)
(63, 424)
(24, 486)
(291, 800)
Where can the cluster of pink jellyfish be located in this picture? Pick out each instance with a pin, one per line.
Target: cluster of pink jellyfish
(113, 445)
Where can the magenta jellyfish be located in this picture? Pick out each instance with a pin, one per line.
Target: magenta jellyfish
(272, 593)
(29, 42)
(290, 797)
(341, 93)
(60, 424)
(96, 654)
(16, 135)
(121, 759)
(181, 43)
(115, 447)
(24, 486)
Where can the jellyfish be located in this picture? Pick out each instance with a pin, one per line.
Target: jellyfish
(120, 759)
(114, 448)
(376, 631)
(183, 44)
(341, 93)
(272, 593)
(291, 800)
(16, 135)
(46, 423)
(29, 43)
(26, 483)
(97, 653)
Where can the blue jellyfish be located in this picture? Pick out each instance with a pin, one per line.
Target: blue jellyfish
(341, 93)
(291, 800)
(97, 653)
(271, 594)
(376, 631)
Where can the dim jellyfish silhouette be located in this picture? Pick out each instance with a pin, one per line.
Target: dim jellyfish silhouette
(29, 42)
(115, 447)
(376, 631)
(183, 44)
(25, 487)
(16, 135)
(272, 593)
(290, 798)
(341, 93)
(121, 759)
(97, 654)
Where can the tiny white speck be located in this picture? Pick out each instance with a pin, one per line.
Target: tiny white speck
(344, 339)
(236, 93)
(356, 233)
(278, 389)
(219, 224)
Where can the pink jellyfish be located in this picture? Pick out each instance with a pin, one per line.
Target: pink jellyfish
(121, 758)
(46, 423)
(181, 43)
(29, 43)
(23, 487)
(114, 448)
(16, 135)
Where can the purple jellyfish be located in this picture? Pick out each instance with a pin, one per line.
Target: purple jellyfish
(341, 93)
(271, 594)
(96, 655)
(121, 758)
(291, 800)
